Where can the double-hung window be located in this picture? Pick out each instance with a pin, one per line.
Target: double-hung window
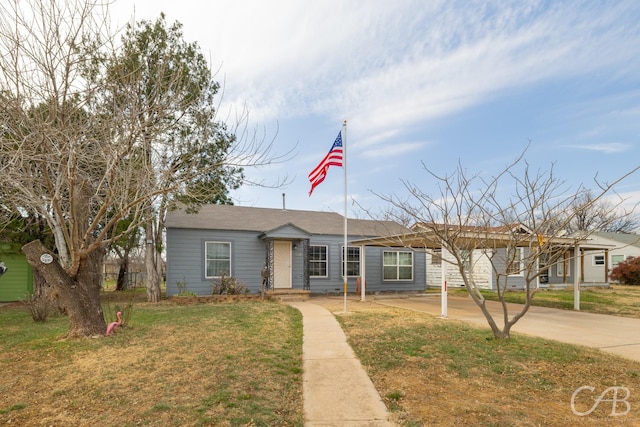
(616, 259)
(514, 261)
(353, 261)
(397, 265)
(318, 261)
(436, 257)
(561, 265)
(217, 259)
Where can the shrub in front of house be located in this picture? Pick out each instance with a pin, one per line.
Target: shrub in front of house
(228, 285)
(627, 272)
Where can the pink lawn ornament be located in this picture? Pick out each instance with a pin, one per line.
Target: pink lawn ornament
(114, 325)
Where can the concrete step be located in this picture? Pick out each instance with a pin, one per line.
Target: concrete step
(288, 295)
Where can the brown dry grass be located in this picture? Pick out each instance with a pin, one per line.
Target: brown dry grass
(434, 372)
(213, 364)
(239, 364)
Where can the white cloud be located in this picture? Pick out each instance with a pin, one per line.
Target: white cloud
(391, 64)
(608, 148)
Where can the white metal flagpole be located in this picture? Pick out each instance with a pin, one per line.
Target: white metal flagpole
(344, 255)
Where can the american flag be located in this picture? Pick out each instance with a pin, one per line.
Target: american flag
(333, 158)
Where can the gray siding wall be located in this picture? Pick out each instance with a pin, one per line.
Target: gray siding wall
(185, 258)
(555, 279)
(185, 263)
(515, 281)
(373, 262)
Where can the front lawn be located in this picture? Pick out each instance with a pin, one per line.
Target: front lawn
(442, 372)
(210, 364)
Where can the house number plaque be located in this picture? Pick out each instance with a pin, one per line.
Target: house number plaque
(46, 259)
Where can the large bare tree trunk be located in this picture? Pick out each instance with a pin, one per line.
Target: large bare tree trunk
(123, 273)
(79, 295)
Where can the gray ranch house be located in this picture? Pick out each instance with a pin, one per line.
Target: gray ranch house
(301, 250)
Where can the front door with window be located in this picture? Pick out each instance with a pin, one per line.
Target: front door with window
(282, 264)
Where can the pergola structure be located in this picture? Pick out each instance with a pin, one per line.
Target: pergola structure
(478, 238)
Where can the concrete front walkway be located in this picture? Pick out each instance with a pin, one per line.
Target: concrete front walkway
(613, 334)
(336, 389)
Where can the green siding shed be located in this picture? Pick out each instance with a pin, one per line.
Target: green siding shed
(17, 282)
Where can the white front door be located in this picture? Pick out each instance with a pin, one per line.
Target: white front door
(282, 264)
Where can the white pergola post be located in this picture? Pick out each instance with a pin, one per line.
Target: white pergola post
(443, 284)
(363, 272)
(576, 278)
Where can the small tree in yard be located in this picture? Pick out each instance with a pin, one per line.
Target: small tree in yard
(95, 144)
(470, 217)
(627, 272)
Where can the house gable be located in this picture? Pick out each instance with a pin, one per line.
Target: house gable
(287, 231)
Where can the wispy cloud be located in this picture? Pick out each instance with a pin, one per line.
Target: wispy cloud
(607, 148)
(420, 62)
(392, 64)
(409, 70)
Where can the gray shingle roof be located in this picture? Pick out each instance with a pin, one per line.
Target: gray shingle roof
(625, 238)
(241, 218)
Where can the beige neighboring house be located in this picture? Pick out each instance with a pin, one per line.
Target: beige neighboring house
(622, 246)
(590, 258)
(600, 253)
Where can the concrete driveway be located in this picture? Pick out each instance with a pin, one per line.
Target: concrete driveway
(617, 335)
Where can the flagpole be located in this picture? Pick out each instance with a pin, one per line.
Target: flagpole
(344, 255)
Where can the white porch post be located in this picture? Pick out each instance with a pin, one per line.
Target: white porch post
(576, 278)
(443, 284)
(363, 272)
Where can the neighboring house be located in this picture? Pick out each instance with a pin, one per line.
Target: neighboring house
(17, 282)
(302, 250)
(560, 274)
(620, 246)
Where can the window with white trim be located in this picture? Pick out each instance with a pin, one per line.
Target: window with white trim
(560, 265)
(217, 259)
(436, 257)
(465, 255)
(514, 261)
(616, 259)
(353, 261)
(318, 264)
(598, 260)
(397, 265)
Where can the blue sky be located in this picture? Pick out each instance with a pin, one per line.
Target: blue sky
(422, 82)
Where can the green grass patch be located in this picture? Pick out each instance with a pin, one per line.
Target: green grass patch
(620, 300)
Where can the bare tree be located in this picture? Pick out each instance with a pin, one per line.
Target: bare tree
(471, 219)
(75, 150)
(605, 214)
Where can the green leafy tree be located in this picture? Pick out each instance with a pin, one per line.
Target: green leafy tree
(165, 88)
